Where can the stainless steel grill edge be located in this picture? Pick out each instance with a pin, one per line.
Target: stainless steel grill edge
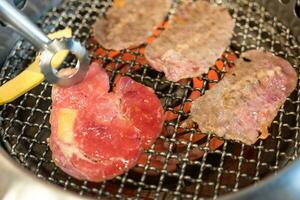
(232, 167)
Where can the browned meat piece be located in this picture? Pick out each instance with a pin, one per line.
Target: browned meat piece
(244, 104)
(197, 36)
(129, 22)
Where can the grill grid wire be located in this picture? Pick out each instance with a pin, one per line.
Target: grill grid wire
(25, 127)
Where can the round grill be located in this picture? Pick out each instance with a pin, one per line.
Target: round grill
(205, 167)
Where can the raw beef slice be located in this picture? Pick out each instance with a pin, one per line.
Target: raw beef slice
(96, 135)
(129, 22)
(197, 36)
(243, 105)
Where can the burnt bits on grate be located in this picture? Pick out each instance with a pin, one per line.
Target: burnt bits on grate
(183, 162)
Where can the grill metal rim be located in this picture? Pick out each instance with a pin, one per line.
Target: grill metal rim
(101, 189)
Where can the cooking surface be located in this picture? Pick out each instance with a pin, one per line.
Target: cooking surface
(25, 122)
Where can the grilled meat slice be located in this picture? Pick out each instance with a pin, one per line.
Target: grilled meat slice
(129, 22)
(243, 105)
(96, 135)
(196, 37)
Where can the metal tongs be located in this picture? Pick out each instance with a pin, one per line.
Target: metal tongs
(49, 48)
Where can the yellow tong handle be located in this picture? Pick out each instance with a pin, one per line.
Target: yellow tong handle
(31, 76)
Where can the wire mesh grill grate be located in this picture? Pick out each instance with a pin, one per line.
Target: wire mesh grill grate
(189, 166)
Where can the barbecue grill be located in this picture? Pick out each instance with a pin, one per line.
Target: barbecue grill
(267, 169)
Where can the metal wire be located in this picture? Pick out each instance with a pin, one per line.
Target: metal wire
(25, 127)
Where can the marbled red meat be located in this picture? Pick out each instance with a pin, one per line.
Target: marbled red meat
(196, 37)
(129, 22)
(142, 108)
(243, 105)
(96, 135)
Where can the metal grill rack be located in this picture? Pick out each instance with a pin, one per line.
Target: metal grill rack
(25, 127)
